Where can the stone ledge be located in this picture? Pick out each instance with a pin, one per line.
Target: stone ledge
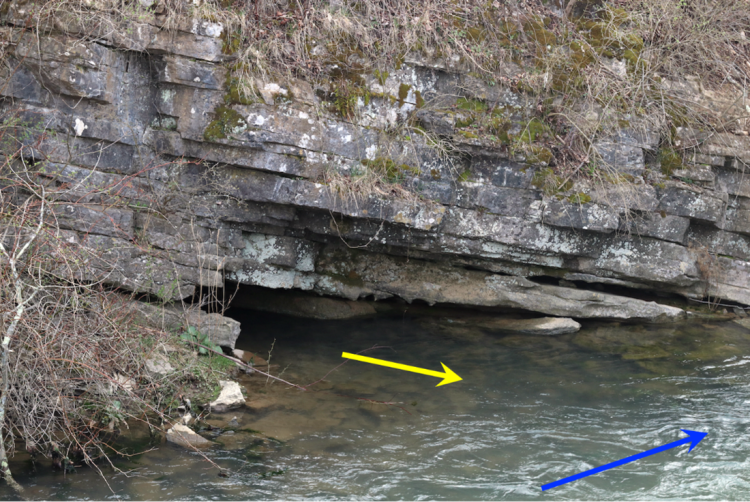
(441, 283)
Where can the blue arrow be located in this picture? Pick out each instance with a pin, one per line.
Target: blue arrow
(693, 437)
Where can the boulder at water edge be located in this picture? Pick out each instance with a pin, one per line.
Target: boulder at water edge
(185, 436)
(230, 397)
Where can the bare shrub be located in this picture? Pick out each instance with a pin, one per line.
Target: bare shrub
(696, 37)
(72, 361)
(70, 364)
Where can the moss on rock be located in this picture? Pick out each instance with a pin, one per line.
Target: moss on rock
(472, 105)
(550, 183)
(226, 122)
(670, 161)
(388, 169)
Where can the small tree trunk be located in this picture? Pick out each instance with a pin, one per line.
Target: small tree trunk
(13, 258)
(4, 367)
(5, 468)
(5, 373)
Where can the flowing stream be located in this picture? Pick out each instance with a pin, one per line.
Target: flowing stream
(530, 410)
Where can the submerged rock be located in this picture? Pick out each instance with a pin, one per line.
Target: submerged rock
(262, 403)
(184, 436)
(230, 397)
(666, 350)
(542, 326)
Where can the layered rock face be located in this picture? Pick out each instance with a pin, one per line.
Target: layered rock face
(173, 183)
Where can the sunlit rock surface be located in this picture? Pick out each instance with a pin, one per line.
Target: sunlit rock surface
(230, 397)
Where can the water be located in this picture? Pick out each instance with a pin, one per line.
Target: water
(530, 410)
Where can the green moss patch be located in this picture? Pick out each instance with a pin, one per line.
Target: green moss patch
(535, 130)
(382, 76)
(579, 198)
(389, 170)
(403, 93)
(234, 94)
(226, 121)
(420, 100)
(231, 42)
(670, 160)
(550, 183)
(473, 105)
(536, 29)
(468, 134)
(464, 176)
(345, 98)
(539, 155)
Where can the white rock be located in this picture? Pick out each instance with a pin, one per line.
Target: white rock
(158, 365)
(212, 29)
(185, 436)
(269, 92)
(229, 398)
(79, 127)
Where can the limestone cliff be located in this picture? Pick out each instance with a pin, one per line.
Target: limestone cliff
(175, 182)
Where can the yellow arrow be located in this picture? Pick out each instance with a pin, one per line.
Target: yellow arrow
(448, 377)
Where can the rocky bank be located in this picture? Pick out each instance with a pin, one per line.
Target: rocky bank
(173, 184)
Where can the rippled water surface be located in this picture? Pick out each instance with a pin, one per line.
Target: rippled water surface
(530, 410)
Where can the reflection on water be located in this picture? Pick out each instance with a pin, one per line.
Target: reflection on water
(529, 410)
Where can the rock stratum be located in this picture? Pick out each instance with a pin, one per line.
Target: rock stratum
(171, 184)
